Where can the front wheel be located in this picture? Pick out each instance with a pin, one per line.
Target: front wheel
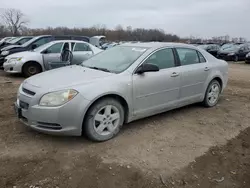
(104, 120)
(212, 94)
(31, 69)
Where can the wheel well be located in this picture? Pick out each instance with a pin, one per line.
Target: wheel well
(219, 80)
(118, 98)
(33, 62)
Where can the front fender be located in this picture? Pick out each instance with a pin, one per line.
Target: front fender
(121, 87)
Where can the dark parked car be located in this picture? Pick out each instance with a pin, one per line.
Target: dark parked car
(234, 52)
(34, 43)
(247, 60)
(211, 48)
(15, 41)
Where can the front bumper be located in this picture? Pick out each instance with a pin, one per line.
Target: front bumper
(13, 67)
(63, 120)
(226, 57)
(247, 60)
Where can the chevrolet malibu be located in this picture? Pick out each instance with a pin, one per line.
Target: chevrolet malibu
(120, 85)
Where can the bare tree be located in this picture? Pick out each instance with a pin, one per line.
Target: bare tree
(14, 20)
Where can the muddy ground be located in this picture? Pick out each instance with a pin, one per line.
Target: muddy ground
(188, 147)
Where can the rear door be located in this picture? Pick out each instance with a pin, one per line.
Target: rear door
(81, 52)
(194, 73)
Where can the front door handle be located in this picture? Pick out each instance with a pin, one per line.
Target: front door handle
(206, 69)
(174, 74)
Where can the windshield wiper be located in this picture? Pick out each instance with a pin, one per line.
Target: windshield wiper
(98, 68)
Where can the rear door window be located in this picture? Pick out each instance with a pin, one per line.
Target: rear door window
(187, 56)
(81, 47)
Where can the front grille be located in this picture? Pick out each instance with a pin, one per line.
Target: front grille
(28, 92)
(23, 105)
(53, 126)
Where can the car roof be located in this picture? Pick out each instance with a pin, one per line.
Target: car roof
(157, 44)
(67, 40)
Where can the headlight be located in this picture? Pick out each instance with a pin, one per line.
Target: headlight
(248, 55)
(14, 59)
(4, 53)
(57, 98)
(231, 54)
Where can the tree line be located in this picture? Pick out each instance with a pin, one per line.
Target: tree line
(14, 23)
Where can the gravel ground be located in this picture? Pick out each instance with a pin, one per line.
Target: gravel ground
(188, 147)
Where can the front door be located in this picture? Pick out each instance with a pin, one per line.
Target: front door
(156, 91)
(53, 54)
(194, 72)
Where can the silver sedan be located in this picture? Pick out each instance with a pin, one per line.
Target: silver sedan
(120, 85)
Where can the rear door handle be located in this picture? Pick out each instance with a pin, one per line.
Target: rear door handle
(174, 74)
(206, 69)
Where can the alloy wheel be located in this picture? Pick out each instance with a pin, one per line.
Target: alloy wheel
(213, 93)
(106, 120)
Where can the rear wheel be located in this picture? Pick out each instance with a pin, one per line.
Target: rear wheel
(212, 94)
(31, 69)
(104, 120)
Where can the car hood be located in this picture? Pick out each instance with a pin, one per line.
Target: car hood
(66, 77)
(22, 54)
(10, 47)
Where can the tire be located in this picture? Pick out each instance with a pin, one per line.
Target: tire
(97, 123)
(208, 100)
(236, 58)
(31, 69)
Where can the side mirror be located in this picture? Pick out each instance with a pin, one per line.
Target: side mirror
(45, 52)
(34, 46)
(147, 67)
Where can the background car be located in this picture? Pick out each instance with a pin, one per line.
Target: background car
(247, 60)
(36, 42)
(15, 41)
(33, 62)
(120, 85)
(234, 52)
(5, 39)
(211, 48)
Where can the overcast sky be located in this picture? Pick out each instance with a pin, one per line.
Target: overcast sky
(201, 18)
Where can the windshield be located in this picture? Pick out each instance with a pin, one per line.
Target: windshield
(12, 41)
(116, 59)
(30, 41)
(225, 46)
(43, 47)
(22, 41)
(232, 47)
(204, 46)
